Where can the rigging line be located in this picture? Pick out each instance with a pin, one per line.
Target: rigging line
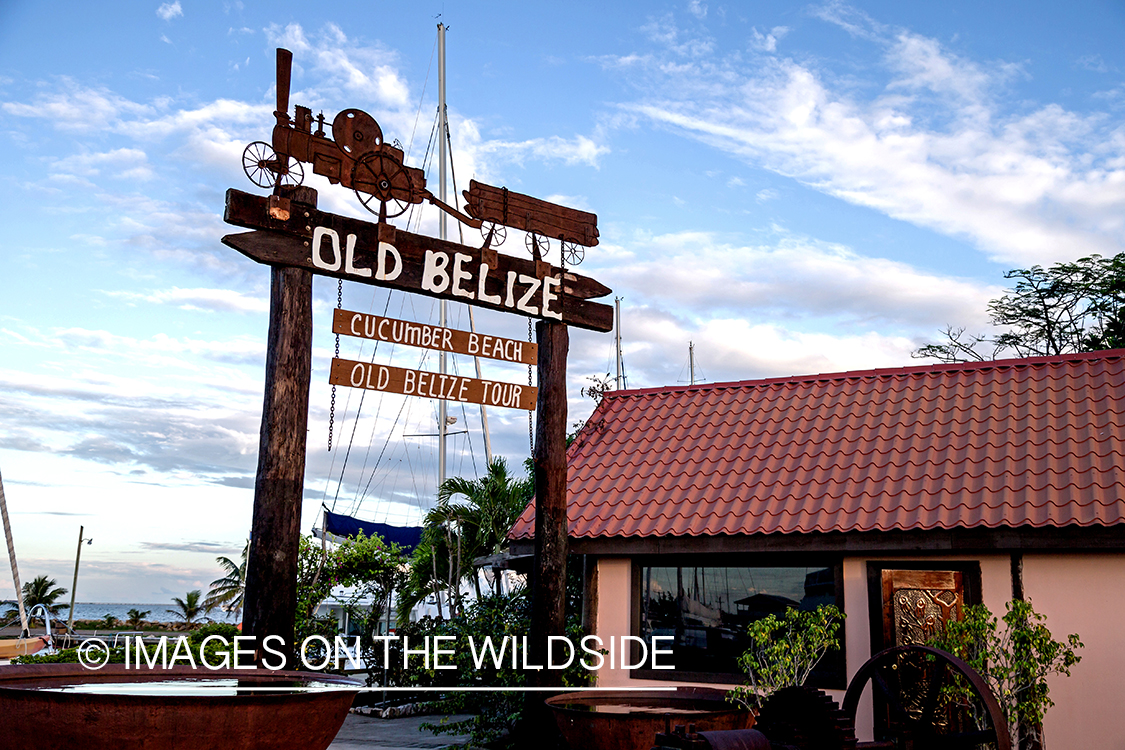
(421, 99)
(390, 432)
(426, 159)
(355, 425)
(375, 423)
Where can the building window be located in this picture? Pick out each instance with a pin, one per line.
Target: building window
(706, 610)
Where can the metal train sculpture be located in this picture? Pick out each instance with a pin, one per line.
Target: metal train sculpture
(357, 157)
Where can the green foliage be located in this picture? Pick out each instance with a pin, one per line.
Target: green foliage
(492, 615)
(367, 567)
(784, 651)
(227, 593)
(109, 622)
(1015, 661)
(456, 533)
(1070, 307)
(190, 609)
(136, 617)
(40, 590)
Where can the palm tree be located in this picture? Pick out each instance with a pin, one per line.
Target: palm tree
(41, 590)
(491, 506)
(189, 609)
(228, 592)
(136, 617)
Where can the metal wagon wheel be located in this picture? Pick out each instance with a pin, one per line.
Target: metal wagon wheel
(537, 245)
(266, 169)
(380, 179)
(498, 232)
(573, 253)
(920, 691)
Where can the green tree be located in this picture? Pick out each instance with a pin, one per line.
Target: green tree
(784, 651)
(364, 570)
(228, 593)
(471, 520)
(190, 609)
(1015, 660)
(136, 617)
(40, 590)
(1070, 307)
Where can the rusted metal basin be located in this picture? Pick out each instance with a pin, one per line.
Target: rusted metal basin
(627, 720)
(67, 706)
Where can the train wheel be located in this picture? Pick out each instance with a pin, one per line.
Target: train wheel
(265, 168)
(382, 185)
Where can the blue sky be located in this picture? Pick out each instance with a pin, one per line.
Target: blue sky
(793, 187)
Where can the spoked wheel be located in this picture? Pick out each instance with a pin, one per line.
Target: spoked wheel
(573, 253)
(928, 699)
(537, 245)
(382, 185)
(266, 169)
(498, 232)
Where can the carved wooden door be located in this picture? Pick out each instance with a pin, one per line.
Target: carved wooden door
(916, 604)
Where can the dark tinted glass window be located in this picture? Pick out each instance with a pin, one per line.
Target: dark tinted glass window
(707, 610)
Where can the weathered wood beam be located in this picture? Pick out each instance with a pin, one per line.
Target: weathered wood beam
(271, 568)
(548, 597)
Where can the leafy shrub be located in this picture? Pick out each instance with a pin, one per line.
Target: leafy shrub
(1015, 661)
(784, 651)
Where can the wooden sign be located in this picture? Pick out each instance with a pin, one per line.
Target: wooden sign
(530, 214)
(379, 254)
(433, 337)
(431, 384)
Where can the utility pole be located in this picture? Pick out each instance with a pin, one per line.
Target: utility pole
(691, 360)
(74, 584)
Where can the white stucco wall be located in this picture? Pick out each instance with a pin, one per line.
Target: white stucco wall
(1084, 594)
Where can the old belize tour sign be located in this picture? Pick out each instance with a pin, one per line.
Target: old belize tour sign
(298, 241)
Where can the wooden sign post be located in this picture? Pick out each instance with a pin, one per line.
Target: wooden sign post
(298, 241)
(279, 486)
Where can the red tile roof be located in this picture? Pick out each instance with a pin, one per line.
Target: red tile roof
(1037, 442)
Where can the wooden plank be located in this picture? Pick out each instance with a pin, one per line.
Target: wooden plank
(389, 379)
(425, 336)
(379, 254)
(530, 214)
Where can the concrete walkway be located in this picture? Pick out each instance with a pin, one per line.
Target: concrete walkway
(368, 733)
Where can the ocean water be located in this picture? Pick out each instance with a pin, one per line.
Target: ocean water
(157, 612)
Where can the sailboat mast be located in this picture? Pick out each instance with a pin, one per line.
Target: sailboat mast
(617, 338)
(442, 156)
(12, 556)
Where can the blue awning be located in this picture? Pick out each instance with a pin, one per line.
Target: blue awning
(406, 537)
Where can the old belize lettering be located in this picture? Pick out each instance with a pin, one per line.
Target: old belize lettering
(407, 382)
(297, 240)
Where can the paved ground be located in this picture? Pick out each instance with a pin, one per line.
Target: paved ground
(367, 733)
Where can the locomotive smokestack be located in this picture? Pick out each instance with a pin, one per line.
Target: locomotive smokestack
(284, 69)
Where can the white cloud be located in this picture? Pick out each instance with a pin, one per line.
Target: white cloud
(933, 147)
(211, 300)
(168, 11)
(767, 42)
(796, 279)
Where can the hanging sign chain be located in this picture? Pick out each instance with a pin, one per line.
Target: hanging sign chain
(530, 430)
(332, 408)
